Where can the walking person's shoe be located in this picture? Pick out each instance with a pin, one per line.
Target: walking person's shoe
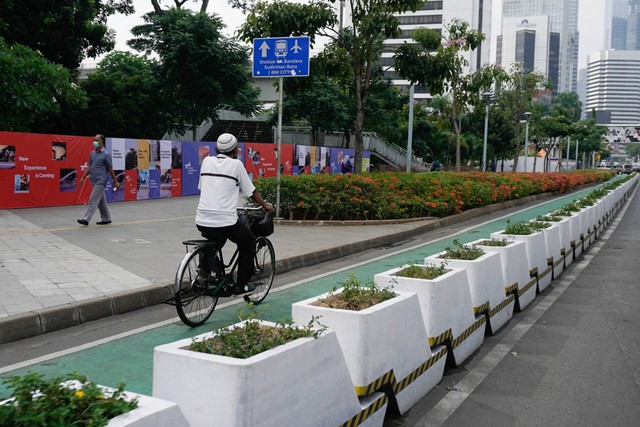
(103, 222)
(83, 221)
(244, 290)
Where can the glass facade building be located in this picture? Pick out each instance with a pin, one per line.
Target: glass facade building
(436, 15)
(563, 20)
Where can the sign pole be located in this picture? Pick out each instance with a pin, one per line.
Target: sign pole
(280, 89)
(280, 57)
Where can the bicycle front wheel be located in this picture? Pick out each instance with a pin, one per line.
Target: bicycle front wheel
(193, 301)
(265, 270)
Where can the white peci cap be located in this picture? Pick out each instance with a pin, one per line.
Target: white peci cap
(227, 143)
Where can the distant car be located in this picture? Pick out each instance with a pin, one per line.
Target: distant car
(617, 168)
(627, 168)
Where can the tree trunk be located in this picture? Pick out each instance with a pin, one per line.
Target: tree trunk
(516, 156)
(359, 142)
(457, 124)
(346, 138)
(156, 6)
(358, 125)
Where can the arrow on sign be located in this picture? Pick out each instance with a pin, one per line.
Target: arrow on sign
(264, 47)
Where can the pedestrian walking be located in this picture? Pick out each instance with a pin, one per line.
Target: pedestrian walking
(100, 167)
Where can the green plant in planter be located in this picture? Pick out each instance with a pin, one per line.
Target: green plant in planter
(584, 202)
(562, 212)
(598, 193)
(70, 400)
(356, 295)
(428, 272)
(549, 218)
(463, 252)
(253, 338)
(495, 242)
(572, 207)
(539, 225)
(519, 229)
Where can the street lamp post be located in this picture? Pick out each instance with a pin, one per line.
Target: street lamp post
(526, 139)
(487, 96)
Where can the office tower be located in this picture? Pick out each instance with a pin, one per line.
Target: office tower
(633, 25)
(616, 20)
(530, 42)
(563, 21)
(613, 87)
(436, 14)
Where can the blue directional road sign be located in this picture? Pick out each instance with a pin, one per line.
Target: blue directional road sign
(281, 57)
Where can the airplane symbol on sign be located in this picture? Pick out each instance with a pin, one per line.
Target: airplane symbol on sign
(295, 47)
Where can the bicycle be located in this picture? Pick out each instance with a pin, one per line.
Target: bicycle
(203, 276)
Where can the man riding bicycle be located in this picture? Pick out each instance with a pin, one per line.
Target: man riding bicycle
(222, 178)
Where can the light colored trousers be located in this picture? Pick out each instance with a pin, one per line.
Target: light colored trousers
(98, 200)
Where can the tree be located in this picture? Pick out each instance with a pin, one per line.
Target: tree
(590, 135)
(200, 70)
(545, 133)
(570, 105)
(516, 97)
(325, 99)
(65, 32)
(123, 98)
(322, 106)
(443, 72)
(33, 88)
(632, 150)
(373, 22)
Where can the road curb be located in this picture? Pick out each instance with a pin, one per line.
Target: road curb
(39, 322)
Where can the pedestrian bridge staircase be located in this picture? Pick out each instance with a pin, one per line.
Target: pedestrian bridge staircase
(258, 131)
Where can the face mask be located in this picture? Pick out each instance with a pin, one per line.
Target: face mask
(96, 144)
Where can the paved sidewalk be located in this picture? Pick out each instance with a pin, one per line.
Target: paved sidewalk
(56, 273)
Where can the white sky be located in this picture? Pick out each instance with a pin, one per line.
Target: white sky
(591, 23)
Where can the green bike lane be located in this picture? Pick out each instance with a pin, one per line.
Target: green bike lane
(130, 359)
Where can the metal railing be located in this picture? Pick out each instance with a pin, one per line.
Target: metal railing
(300, 135)
(372, 142)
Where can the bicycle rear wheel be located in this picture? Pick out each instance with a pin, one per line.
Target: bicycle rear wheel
(193, 301)
(265, 267)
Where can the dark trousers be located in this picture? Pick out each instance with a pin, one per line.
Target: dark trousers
(239, 234)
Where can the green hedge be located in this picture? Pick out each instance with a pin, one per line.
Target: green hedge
(376, 196)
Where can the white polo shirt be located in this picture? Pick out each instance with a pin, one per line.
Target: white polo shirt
(221, 181)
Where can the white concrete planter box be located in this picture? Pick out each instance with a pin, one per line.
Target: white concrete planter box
(600, 216)
(608, 207)
(151, 411)
(588, 225)
(383, 344)
(486, 283)
(566, 250)
(515, 269)
(305, 380)
(554, 248)
(447, 310)
(575, 225)
(536, 255)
